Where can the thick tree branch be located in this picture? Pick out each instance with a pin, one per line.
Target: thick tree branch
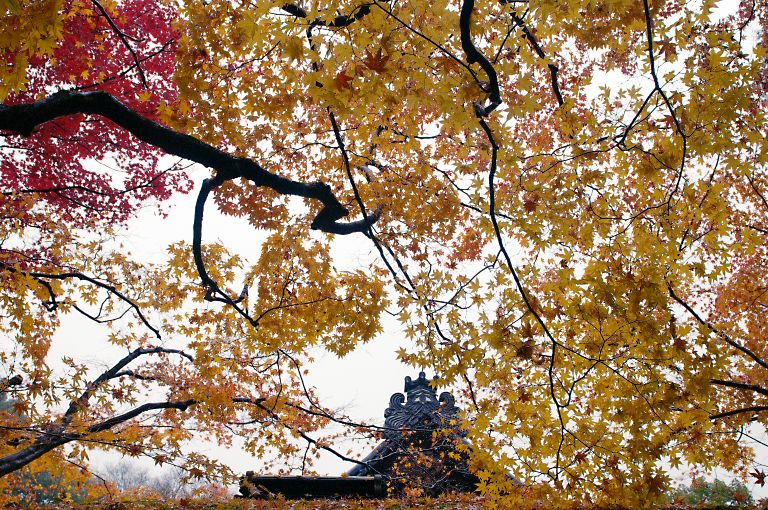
(740, 386)
(24, 118)
(111, 373)
(753, 409)
(47, 441)
(197, 232)
(181, 405)
(212, 290)
(54, 436)
(474, 56)
(40, 447)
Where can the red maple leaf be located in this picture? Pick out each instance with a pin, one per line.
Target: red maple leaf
(342, 81)
(377, 62)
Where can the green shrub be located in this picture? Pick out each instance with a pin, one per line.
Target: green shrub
(715, 494)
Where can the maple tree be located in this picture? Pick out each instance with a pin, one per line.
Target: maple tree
(567, 201)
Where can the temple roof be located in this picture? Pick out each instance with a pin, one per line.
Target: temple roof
(420, 429)
(423, 446)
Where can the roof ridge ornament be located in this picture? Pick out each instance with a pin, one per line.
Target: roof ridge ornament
(421, 411)
(421, 382)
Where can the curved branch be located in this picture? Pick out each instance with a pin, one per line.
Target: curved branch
(181, 405)
(111, 373)
(24, 118)
(52, 304)
(212, 290)
(47, 441)
(474, 56)
(197, 230)
(523, 292)
(54, 436)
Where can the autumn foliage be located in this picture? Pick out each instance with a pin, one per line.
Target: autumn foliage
(566, 203)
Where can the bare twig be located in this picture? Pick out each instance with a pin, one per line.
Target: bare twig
(727, 339)
(41, 277)
(553, 69)
(124, 38)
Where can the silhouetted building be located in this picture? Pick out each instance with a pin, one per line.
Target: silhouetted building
(423, 447)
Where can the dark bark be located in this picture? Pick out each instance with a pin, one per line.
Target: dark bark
(340, 21)
(52, 304)
(474, 56)
(56, 435)
(21, 458)
(740, 386)
(753, 409)
(24, 118)
(726, 338)
(47, 441)
(553, 69)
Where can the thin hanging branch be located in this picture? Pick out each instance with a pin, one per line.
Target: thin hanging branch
(52, 304)
(727, 339)
(473, 55)
(657, 88)
(553, 69)
(124, 39)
